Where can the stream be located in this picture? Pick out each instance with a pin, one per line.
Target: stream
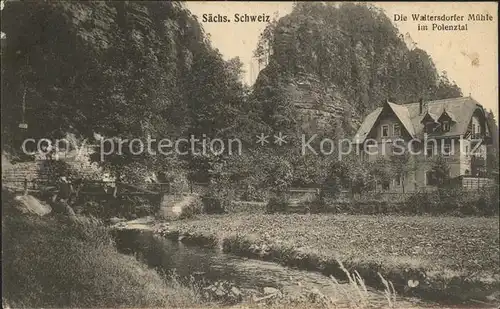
(212, 265)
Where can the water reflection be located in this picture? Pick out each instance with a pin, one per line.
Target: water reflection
(213, 265)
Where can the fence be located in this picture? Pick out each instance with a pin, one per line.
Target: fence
(99, 187)
(472, 183)
(88, 187)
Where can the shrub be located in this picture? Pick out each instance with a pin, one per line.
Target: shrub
(252, 194)
(214, 204)
(93, 208)
(420, 202)
(127, 206)
(178, 181)
(218, 197)
(444, 201)
(246, 207)
(192, 209)
(318, 204)
(455, 201)
(278, 203)
(143, 210)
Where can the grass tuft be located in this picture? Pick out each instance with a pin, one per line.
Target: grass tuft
(54, 262)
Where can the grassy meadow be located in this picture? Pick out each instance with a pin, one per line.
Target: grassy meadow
(53, 261)
(57, 262)
(429, 255)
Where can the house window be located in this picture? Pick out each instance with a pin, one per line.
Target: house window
(473, 129)
(385, 185)
(396, 130)
(446, 126)
(398, 181)
(429, 150)
(429, 126)
(429, 179)
(446, 148)
(385, 130)
(466, 150)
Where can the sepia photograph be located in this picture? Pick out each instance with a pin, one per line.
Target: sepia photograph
(226, 154)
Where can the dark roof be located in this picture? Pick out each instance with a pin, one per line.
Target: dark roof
(459, 109)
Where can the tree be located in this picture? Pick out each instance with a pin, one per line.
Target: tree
(382, 171)
(402, 165)
(440, 170)
(446, 89)
(492, 150)
(263, 50)
(349, 174)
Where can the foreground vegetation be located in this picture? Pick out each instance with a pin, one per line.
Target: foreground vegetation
(432, 257)
(55, 262)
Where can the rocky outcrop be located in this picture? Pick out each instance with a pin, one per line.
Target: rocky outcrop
(340, 62)
(319, 106)
(28, 204)
(111, 66)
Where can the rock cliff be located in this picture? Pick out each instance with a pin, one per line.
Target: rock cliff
(341, 61)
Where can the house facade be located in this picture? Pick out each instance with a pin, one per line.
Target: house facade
(454, 129)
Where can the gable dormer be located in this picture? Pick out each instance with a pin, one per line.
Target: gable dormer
(445, 121)
(430, 122)
(477, 124)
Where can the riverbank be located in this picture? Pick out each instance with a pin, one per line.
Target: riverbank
(434, 258)
(55, 261)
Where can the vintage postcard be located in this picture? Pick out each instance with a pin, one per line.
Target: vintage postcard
(222, 154)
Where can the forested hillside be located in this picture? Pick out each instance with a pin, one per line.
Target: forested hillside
(120, 69)
(138, 69)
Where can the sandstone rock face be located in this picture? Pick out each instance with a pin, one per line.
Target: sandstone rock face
(89, 59)
(343, 61)
(319, 106)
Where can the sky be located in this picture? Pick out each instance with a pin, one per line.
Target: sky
(470, 57)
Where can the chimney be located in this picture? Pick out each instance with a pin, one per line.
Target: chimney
(420, 106)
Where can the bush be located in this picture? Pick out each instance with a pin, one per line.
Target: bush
(444, 201)
(252, 194)
(420, 203)
(192, 209)
(93, 208)
(246, 207)
(178, 181)
(278, 203)
(455, 201)
(214, 204)
(129, 207)
(317, 205)
(218, 197)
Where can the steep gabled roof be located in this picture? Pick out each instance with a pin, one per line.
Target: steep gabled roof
(404, 116)
(459, 109)
(449, 114)
(366, 126)
(399, 110)
(428, 115)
